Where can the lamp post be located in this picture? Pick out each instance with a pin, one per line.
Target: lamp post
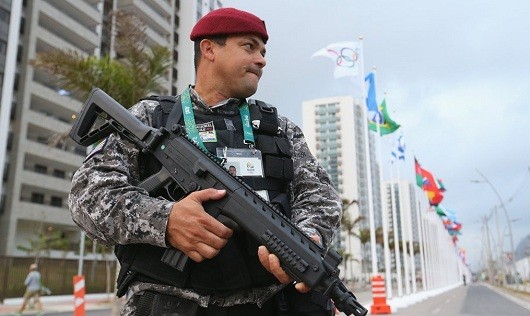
(505, 213)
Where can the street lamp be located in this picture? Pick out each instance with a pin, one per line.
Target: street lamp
(505, 213)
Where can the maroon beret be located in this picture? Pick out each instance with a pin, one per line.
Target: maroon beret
(226, 21)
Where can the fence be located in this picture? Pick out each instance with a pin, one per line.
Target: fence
(57, 275)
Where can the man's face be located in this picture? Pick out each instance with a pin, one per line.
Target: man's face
(239, 65)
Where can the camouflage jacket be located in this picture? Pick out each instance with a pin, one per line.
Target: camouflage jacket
(107, 204)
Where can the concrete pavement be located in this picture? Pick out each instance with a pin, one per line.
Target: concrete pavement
(58, 303)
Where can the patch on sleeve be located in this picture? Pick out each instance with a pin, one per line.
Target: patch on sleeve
(99, 148)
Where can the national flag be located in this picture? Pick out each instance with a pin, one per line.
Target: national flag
(347, 57)
(453, 232)
(418, 171)
(398, 153)
(440, 210)
(440, 184)
(371, 102)
(426, 181)
(388, 126)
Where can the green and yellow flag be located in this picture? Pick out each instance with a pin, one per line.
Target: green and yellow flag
(388, 126)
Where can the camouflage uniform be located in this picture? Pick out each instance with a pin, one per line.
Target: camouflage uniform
(107, 204)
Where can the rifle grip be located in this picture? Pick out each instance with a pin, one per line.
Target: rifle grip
(175, 258)
(156, 181)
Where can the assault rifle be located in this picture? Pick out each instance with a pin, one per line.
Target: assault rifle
(191, 168)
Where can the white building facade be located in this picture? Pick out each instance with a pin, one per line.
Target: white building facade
(36, 176)
(334, 129)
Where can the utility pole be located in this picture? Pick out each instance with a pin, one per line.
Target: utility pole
(488, 248)
(512, 258)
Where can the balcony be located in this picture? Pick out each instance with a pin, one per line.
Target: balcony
(62, 25)
(41, 212)
(53, 184)
(68, 157)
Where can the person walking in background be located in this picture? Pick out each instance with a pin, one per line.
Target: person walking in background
(32, 283)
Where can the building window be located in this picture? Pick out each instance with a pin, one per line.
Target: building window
(59, 173)
(41, 169)
(56, 201)
(4, 15)
(37, 198)
(2, 203)
(5, 177)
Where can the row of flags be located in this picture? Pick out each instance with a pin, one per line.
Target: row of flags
(348, 58)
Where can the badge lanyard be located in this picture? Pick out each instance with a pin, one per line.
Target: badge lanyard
(191, 126)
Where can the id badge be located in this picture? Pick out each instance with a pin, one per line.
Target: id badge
(243, 162)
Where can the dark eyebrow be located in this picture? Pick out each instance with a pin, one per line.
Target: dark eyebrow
(258, 43)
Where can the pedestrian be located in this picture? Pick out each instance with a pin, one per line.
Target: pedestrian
(230, 273)
(33, 284)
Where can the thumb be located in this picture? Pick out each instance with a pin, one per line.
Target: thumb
(208, 194)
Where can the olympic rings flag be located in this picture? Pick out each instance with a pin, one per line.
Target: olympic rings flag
(347, 58)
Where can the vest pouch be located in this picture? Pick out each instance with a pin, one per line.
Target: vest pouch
(225, 272)
(142, 262)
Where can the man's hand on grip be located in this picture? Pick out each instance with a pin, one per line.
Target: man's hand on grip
(194, 231)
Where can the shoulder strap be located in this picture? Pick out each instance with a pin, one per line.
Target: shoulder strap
(162, 113)
(264, 117)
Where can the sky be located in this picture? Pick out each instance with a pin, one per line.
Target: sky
(455, 75)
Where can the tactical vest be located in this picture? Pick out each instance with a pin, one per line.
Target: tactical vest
(237, 265)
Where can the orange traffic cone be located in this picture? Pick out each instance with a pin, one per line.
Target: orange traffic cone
(379, 295)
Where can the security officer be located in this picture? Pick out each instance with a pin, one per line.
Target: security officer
(231, 274)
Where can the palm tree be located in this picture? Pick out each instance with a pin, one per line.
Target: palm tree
(133, 74)
(364, 237)
(348, 225)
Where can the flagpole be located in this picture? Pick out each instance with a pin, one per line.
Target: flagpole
(373, 248)
(397, 254)
(428, 251)
(384, 213)
(411, 238)
(403, 241)
(420, 241)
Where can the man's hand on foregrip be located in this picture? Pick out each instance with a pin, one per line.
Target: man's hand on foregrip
(192, 230)
(272, 264)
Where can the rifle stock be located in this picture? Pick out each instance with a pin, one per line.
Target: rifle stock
(191, 168)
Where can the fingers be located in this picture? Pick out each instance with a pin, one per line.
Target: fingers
(208, 194)
(302, 287)
(194, 231)
(211, 224)
(272, 264)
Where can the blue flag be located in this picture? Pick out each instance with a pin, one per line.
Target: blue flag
(398, 153)
(374, 114)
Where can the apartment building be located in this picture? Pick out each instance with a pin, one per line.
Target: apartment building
(401, 209)
(335, 131)
(36, 176)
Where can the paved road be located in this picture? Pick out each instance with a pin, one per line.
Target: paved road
(474, 300)
(469, 301)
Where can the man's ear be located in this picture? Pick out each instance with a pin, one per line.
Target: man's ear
(207, 49)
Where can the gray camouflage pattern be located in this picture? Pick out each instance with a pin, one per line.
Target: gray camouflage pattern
(256, 296)
(106, 203)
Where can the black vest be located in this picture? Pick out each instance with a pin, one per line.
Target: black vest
(237, 265)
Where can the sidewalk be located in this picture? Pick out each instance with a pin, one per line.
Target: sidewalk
(58, 303)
